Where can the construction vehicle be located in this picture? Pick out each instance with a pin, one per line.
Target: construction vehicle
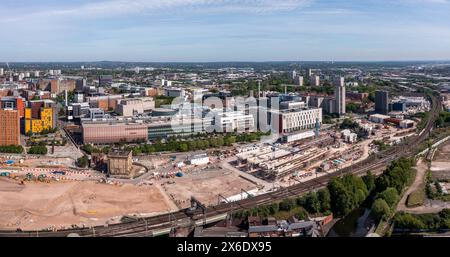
(29, 176)
(42, 177)
(5, 174)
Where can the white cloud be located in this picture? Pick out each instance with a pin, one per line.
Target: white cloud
(113, 8)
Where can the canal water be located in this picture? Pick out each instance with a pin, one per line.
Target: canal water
(356, 224)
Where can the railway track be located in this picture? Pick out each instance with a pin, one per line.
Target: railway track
(143, 227)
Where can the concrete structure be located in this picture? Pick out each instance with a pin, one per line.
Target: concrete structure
(120, 164)
(174, 92)
(406, 124)
(298, 136)
(339, 96)
(9, 127)
(133, 106)
(199, 159)
(378, 118)
(349, 137)
(381, 102)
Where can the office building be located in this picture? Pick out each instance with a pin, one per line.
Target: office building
(106, 103)
(9, 127)
(80, 84)
(233, 121)
(292, 120)
(114, 132)
(381, 102)
(14, 103)
(133, 106)
(2, 72)
(174, 92)
(399, 107)
(105, 80)
(339, 96)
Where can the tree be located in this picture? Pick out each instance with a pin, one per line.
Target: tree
(342, 201)
(406, 220)
(369, 180)
(389, 195)
(184, 147)
(300, 213)
(324, 198)
(229, 140)
(273, 208)
(38, 149)
(380, 209)
(83, 161)
(11, 149)
(287, 204)
(312, 204)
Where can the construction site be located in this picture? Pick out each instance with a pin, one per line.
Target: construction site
(37, 205)
(49, 193)
(301, 160)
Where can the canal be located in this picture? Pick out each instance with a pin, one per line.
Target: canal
(356, 224)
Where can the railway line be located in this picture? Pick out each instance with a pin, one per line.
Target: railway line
(144, 226)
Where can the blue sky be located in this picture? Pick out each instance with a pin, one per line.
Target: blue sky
(224, 30)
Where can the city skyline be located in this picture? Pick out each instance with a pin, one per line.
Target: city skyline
(226, 30)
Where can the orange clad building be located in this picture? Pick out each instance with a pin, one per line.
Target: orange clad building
(9, 127)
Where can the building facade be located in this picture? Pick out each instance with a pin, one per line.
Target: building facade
(381, 102)
(9, 127)
(339, 96)
(120, 164)
(45, 120)
(298, 119)
(117, 132)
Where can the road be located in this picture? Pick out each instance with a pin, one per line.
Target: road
(418, 184)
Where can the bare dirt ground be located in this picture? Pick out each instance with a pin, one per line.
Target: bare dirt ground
(440, 167)
(41, 205)
(206, 185)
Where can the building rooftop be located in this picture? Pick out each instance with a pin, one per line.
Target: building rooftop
(123, 154)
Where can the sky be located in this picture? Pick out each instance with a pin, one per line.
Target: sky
(224, 30)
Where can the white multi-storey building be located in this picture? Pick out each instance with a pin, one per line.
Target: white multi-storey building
(233, 121)
(339, 95)
(298, 119)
